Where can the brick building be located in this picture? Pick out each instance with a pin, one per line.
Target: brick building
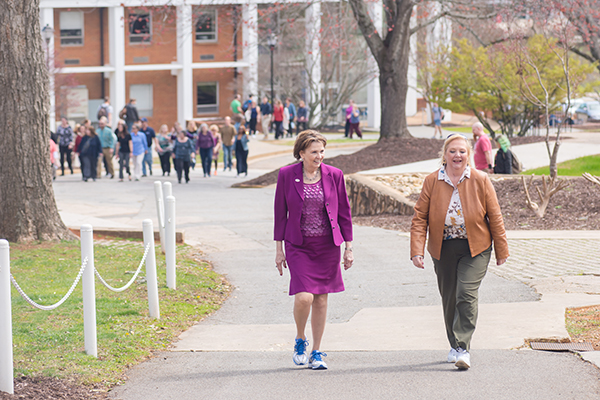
(179, 59)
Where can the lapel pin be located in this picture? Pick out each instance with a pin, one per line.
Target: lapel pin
(297, 180)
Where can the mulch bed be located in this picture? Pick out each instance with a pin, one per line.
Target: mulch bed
(385, 153)
(576, 207)
(45, 388)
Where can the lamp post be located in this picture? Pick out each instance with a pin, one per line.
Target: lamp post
(272, 41)
(47, 34)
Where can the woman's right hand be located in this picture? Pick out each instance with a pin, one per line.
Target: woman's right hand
(280, 261)
(418, 262)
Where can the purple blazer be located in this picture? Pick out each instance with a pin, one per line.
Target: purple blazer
(289, 197)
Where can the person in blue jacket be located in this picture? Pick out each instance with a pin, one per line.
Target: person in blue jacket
(91, 149)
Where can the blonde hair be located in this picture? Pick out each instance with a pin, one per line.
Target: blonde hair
(163, 129)
(449, 140)
(305, 139)
(214, 128)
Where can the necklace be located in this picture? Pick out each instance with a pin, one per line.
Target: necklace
(310, 180)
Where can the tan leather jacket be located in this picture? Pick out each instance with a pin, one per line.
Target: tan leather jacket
(483, 218)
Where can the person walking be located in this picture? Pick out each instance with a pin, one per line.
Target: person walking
(150, 138)
(254, 114)
(349, 110)
(438, 115)
(124, 149)
(139, 150)
(163, 148)
(355, 122)
(459, 208)
(192, 134)
(105, 110)
(241, 152)
(183, 153)
(80, 130)
(291, 117)
(130, 114)
(483, 149)
(504, 158)
(266, 114)
(228, 133)
(107, 140)
(238, 113)
(218, 144)
(302, 118)
(65, 144)
(205, 144)
(90, 151)
(278, 112)
(312, 217)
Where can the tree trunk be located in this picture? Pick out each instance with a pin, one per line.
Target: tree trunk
(392, 54)
(28, 210)
(393, 83)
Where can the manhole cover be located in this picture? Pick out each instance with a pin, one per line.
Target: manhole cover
(561, 346)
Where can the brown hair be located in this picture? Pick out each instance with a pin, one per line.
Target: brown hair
(305, 139)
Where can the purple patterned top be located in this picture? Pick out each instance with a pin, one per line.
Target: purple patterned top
(313, 222)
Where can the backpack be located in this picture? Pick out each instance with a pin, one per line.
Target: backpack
(517, 167)
(246, 105)
(102, 112)
(123, 113)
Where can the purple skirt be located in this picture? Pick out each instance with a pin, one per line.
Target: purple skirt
(314, 266)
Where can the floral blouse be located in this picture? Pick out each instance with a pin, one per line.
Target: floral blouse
(454, 226)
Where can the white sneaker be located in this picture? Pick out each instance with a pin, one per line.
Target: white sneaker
(463, 359)
(452, 356)
(300, 357)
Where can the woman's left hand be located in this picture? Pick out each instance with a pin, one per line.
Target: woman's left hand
(501, 261)
(348, 258)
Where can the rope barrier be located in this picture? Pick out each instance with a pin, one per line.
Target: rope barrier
(130, 281)
(65, 297)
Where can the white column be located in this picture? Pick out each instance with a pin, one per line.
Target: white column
(250, 48)
(116, 50)
(6, 344)
(185, 76)
(373, 92)
(47, 18)
(313, 57)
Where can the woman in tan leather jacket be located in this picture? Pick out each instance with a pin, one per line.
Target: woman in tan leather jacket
(458, 205)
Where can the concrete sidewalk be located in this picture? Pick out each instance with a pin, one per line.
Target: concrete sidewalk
(385, 335)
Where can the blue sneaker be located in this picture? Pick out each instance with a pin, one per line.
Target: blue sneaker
(316, 360)
(300, 357)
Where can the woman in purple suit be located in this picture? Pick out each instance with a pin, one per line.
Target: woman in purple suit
(312, 217)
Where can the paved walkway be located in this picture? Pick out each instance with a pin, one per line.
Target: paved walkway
(385, 336)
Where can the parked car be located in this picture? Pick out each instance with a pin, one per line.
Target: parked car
(588, 111)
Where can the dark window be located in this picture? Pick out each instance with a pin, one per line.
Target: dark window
(206, 26)
(208, 98)
(140, 28)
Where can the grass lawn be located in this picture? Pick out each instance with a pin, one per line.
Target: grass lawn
(462, 129)
(51, 343)
(574, 167)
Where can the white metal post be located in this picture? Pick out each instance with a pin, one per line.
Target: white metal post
(6, 354)
(167, 190)
(151, 280)
(89, 291)
(160, 210)
(170, 242)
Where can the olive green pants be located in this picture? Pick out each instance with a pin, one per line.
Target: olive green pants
(459, 276)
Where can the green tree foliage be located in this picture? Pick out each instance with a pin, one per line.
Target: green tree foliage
(508, 81)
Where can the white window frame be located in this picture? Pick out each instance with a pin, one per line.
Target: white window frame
(143, 112)
(205, 109)
(215, 24)
(141, 36)
(71, 37)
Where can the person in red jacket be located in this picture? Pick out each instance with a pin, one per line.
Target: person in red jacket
(278, 119)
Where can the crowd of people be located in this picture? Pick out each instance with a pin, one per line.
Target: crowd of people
(133, 141)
